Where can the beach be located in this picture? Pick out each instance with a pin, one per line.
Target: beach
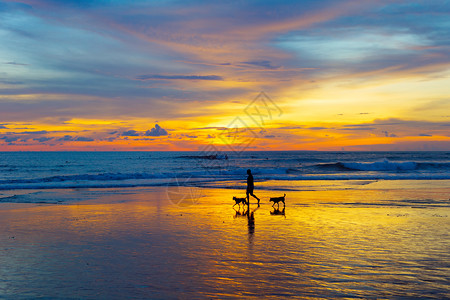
(364, 239)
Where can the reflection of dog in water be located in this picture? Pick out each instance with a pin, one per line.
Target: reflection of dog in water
(239, 213)
(278, 212)
(277, 200)
(240, 200)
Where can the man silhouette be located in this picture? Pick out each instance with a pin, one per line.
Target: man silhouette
(250, 186)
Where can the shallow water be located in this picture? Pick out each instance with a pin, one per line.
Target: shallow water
(158, 243)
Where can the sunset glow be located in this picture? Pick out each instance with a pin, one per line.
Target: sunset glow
(167, 75)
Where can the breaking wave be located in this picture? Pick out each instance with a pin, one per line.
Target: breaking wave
(384, 165)
(105, 170)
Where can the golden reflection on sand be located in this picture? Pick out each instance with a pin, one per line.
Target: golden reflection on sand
(330, 243)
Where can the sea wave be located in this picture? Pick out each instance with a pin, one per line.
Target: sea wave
(384, 165)
(114, 172)
(111, 180)
(85, 177)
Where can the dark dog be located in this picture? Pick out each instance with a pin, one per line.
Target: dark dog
(278, 199)
(240, 200)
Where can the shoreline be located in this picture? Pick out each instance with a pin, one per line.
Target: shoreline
(414, 189)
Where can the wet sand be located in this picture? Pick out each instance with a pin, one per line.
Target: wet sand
(382, 240)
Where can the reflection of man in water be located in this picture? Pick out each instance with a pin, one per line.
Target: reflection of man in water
(250, 186)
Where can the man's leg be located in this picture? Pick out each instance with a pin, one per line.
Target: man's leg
(255, 197)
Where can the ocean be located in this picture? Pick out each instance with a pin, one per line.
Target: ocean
(279, 170)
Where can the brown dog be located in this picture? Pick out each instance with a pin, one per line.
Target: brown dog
(277, 200)
(240, 200)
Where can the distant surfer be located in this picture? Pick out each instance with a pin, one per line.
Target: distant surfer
(250, 186)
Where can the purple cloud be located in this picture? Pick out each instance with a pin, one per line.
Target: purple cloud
(130, 133)
(66, 138)
(156, 131)
(9, 139)
(261, 63)
(43, 139)
(84, 139)
(15, 63)
(178, 77)
(34, 132)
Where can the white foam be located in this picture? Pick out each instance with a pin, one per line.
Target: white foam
(384, 165)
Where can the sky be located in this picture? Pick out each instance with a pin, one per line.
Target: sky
(224, 75)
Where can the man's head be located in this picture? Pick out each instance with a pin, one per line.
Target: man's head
(249, 172)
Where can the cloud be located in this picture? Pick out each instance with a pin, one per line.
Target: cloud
(387, 134)
(9, 139)
(84, 139)
(76, 139)
(43, 139)
(210, 127)
(35, 132)
(3, 127)
(425, 134)
(15, 63)
(357, 127)
(290, 127)
(130, 133)
(179, 77)
(11, 82)
(317, 128)
(156, 131)
(66, 138)
(261, 63)
(408, 123)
